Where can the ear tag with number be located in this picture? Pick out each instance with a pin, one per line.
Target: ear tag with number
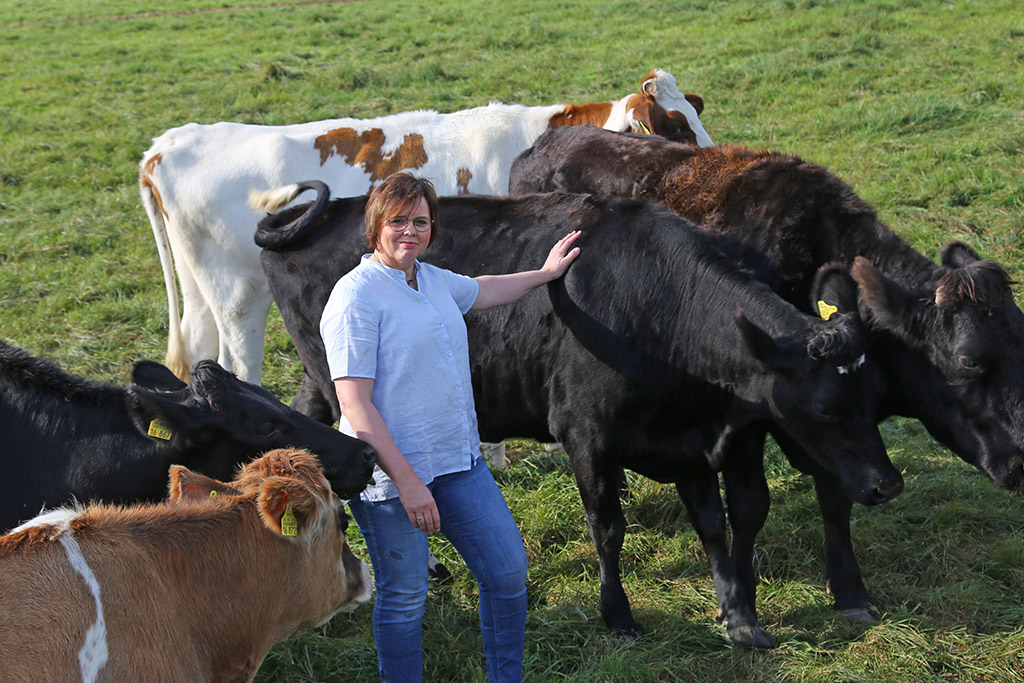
(289, 525)
(825, 310)
(159, 430)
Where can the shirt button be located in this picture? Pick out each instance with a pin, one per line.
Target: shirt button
(442, 324)
(449, 354)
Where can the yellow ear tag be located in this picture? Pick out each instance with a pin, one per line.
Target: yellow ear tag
(159, 430)
(644, 127)
(289, 525)
(826, 311)
(213, 494)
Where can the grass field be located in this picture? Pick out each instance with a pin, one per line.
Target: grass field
(918, 104)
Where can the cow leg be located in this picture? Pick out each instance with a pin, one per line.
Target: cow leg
(312, 403)
(748, 500)
(699, 493)
(198, 327)
(842, 572)
(242, 324)
(599, 489)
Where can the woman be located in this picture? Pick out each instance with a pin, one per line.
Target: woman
(398, 351)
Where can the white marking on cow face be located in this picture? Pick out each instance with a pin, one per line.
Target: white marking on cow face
(666, 93)
(93, 655)
(852, 367)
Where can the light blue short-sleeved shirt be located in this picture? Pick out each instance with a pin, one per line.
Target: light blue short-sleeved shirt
(413, 344)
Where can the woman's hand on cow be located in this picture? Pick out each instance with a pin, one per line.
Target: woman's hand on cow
(561, 255)
(420, 506)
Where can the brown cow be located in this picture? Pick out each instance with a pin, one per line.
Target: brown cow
(197, 588)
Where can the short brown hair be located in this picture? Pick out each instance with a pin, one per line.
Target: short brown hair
(395, 193)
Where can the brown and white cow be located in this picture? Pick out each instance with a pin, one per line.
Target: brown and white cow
(195, 181)
(197, 588)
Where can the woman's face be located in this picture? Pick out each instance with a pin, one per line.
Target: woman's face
(399, 242)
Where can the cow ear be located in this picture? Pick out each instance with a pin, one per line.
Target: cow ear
(157, 414)
(208, 379)
(834, 291)
(957, 255)
(765, 350)
(883, 303)
(650, 86)
(640, 117)
(153, 375)
(188, 485)
(287, 506)
(696, 101)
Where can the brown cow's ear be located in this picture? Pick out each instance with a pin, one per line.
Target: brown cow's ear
(288, 507)
(188, 485)
(696, 101)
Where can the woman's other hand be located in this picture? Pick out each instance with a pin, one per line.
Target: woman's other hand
(420, 506)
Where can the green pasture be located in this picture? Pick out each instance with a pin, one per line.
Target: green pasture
(919, 104)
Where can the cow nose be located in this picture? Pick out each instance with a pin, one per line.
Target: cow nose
(887, 490)
(369, 455)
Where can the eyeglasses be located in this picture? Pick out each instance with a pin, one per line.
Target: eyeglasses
(398, 223)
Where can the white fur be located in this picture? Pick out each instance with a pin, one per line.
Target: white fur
(93, 655)
(60, 518)
(204, 175)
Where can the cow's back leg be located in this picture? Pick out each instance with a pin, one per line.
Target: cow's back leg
(598, 483)
(699, 493)
(241, 318)
(198, 328)
(312, 403)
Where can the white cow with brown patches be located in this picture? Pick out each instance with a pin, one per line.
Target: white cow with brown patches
(195, 181)
(197, 588)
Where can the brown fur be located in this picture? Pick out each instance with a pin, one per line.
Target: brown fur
(462, 179)
(984, 282)
(365, 149)
(592, 113)
(197, 588)
(687, 189)
(146, 181)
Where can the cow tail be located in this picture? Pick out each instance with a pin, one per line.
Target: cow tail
(177, 355)
(271, 200)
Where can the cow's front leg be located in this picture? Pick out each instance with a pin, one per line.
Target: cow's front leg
(746, 492)
(599, 489)
(699, 493)
(842, 572)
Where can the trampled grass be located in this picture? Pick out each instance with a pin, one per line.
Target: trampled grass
(919, 104)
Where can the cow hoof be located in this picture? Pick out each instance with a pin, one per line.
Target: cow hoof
(750, 636)
(868, 614)
(438, 575)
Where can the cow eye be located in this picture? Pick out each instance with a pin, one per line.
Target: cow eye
(268, 429)
(968, 363)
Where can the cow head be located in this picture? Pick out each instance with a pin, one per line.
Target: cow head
(966, 360)
(660, 108)
(296, 505)
(822, 388)
(218, 422)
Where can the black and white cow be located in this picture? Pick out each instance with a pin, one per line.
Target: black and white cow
(949, 337)
(653, 353)
(68, 438)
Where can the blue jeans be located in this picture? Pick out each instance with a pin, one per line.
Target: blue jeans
(477, 521)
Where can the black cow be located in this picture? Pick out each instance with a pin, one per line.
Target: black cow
(653, 353)
(68, 438)
(949, 337)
